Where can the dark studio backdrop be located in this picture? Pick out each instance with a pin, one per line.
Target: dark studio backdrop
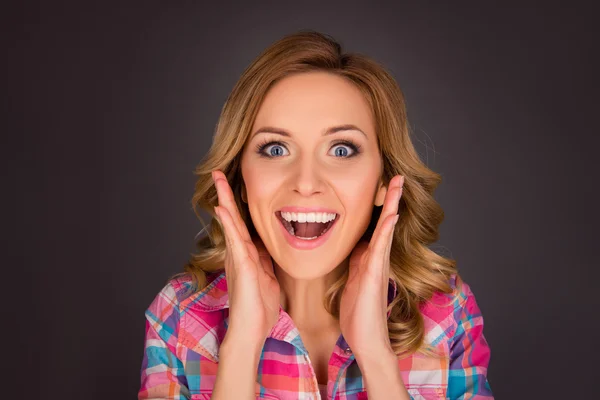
(110, 107)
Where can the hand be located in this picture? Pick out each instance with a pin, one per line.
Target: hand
(363, 304)
(253, 289)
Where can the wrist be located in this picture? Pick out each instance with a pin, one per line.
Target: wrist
(238, 343)
(382, 376)
(379, 358)
(375, 353)
(238, 362)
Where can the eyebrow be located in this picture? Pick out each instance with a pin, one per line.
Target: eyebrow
(329, 131)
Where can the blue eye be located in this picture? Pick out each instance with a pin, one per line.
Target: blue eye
(276, 149)
(342, 153)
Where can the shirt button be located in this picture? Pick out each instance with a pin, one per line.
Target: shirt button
(348, 350)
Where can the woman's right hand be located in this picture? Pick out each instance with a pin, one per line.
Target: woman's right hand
(252, 287)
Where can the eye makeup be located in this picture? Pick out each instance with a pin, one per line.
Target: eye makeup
(262, 145)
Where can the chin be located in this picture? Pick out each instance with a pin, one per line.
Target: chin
(305, 270)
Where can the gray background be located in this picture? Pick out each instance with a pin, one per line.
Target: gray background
(110, 107)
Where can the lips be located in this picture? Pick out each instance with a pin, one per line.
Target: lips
(302, 244)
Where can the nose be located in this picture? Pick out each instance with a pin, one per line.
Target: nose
(308, 180)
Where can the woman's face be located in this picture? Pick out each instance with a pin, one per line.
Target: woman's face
(309, 167)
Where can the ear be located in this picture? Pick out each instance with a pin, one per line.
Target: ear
(380, 196)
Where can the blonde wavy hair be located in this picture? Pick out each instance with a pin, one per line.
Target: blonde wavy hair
(417, 270)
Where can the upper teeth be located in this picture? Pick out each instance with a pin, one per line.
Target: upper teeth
(308, 217)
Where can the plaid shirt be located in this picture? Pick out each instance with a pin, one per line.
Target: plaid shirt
(183, 333)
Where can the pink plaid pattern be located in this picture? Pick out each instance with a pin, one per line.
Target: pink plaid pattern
(184, 332)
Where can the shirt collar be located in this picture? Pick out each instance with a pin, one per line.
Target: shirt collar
(214, 298)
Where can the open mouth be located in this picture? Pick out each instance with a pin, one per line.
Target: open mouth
(307, 230)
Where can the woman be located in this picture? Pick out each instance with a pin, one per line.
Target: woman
(316, 280)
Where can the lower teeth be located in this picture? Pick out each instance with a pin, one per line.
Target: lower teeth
(291, 231)
(303, 238)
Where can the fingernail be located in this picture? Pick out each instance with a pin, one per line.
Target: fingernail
(401, 181)
(217, 211)
(396, 219)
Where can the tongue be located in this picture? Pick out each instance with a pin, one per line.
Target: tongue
(308, 229)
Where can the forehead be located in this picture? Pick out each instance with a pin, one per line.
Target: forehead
(314, 101)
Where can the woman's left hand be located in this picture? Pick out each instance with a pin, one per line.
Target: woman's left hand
(363, 304)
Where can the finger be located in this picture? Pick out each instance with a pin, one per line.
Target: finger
(239, 255)
(380, 245)
(386, 262)
(379, 263)
(228, 248)
(391, 202)
(227, 261)
(227, 200)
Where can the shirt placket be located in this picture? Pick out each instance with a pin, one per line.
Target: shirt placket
(339, 361)
(286, 330)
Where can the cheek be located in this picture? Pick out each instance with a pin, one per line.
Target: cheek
(357, 198)
(259, 179)
(263, 190)
(263, 187)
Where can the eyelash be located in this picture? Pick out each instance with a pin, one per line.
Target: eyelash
(356, 148)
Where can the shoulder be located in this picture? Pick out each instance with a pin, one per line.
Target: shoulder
(172, 293)
(179, 290)
(165, 309)
(180, 313)
(204, 317)
(460, 294)
(443, 311)
(463, 300)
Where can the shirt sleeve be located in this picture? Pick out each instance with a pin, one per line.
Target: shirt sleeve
(162, 372)
(469, 351)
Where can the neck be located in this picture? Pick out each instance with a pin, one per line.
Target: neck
(303, 299)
